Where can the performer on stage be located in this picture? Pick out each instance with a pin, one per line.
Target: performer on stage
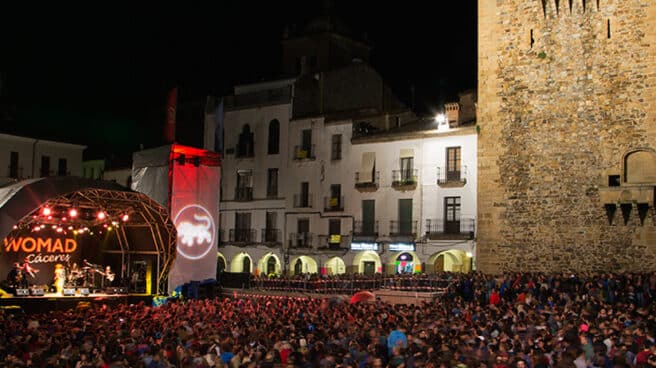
(26, 270)
(15, 276)
(60, 278)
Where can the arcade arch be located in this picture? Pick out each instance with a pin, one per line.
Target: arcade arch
(335, 266)
(242, 262)
(303, 264)
(367, 262)
(269, 264)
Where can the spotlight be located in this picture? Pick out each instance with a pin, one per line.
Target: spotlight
(125, 217)
(43, 226)
(46, 211)
(15, 227)
(59, 229)
(75, 232)
(101, 215)
(70, 228)
(109, 228)
(72, 213)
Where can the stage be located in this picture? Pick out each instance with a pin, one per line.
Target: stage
(52, 301)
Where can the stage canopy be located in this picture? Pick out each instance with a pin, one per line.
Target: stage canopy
(75, 207)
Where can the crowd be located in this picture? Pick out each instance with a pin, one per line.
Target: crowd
(513, 320)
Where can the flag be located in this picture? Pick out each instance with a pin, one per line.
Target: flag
(218, 128)
(171, 105)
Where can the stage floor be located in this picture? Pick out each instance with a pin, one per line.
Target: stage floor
(53, 301)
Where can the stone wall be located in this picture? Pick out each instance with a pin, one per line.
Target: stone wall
(564, 95)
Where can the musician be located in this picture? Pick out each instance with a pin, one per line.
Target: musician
(73, 275)
(26, 270)
(15, 276)
(109, 275)
(60, 278)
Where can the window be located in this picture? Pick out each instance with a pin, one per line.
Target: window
(45, 166)
(336, 152)
(13, 165)
(244, 185)
(62, 169)
(272, 183)
(245, 145)
(306, 140)
(452, 215)
(242, 227)
(453, 163)
(274, 137)
(406, 168)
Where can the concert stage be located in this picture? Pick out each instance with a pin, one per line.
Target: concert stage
(52, 301)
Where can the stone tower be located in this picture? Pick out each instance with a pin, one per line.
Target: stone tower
(567, 139)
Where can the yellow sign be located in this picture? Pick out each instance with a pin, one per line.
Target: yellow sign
(335, 239)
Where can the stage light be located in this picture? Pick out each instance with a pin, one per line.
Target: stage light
(59, 229)
(72, 213)
(109, 228)
(70, 228)
(15, 227)
(37, 228)
(46, 211)
(125, 217)
(74, 232)
(101, 215)
(49, 217)
(43, 226)
(54, 226)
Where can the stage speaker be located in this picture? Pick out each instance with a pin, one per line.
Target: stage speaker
(22, 292)
(69, 291)
(84, 291)
(38, 292)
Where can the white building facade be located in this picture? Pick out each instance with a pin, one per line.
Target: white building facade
(26, 158)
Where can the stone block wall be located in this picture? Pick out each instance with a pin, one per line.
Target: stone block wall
(564, 95)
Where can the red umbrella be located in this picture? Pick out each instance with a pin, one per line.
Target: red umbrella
(363, 296)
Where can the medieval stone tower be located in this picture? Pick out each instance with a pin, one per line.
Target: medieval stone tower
(567, 141)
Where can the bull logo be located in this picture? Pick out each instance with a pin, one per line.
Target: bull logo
(196, 231)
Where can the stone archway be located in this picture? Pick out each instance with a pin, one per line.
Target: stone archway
(242, 262)
(269, 264)
(335, 266)
(221, 264)
(452, 260)
(367, 262)
(303, 264)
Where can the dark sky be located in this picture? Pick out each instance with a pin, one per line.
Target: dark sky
(98, 75)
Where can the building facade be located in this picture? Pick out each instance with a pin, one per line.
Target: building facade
(566, 154)
(26, 158)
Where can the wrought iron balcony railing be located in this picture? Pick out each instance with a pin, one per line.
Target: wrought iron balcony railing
(463, 228)
(271, 236)
(365, 228)
(303, 201)
(333, 242)
(300, 240)
(333, 203)
(403, 228)
(242, 235)
(361, 182)
(404, 177)
(452, 176)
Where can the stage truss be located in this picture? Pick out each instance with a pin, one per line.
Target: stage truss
(142, 212)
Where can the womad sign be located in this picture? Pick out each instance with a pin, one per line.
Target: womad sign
(42, 253)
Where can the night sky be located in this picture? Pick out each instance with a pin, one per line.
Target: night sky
(99, 75)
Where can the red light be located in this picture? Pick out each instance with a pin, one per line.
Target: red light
(101, 215)
(46, 211)
(72, 213)
(125, 218)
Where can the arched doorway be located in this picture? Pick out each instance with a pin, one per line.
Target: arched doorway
(304, 264)
(453, 260)
(367, 263)
(404, 263)
(241, 263)
(220, 264)
(269, 264)
(335, 266)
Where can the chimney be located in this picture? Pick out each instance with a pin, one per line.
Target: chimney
(452, 113)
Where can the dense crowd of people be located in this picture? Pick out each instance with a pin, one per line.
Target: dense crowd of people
(513, 320)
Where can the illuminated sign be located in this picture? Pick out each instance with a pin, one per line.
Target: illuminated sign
(402, 247)
(36, 245)
(335, 239)
(364, 246)
(196, 231)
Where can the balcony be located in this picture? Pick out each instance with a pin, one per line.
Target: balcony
(365, 229)
(333, 242)
(303, 201)
(304, 153)
(404, 179)
(300, 240)
(403, 228)
(271, 236)
(244, 194)
(241, 236)
(451, 179)
(462, 229)
(333, 204)
(367, 185)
